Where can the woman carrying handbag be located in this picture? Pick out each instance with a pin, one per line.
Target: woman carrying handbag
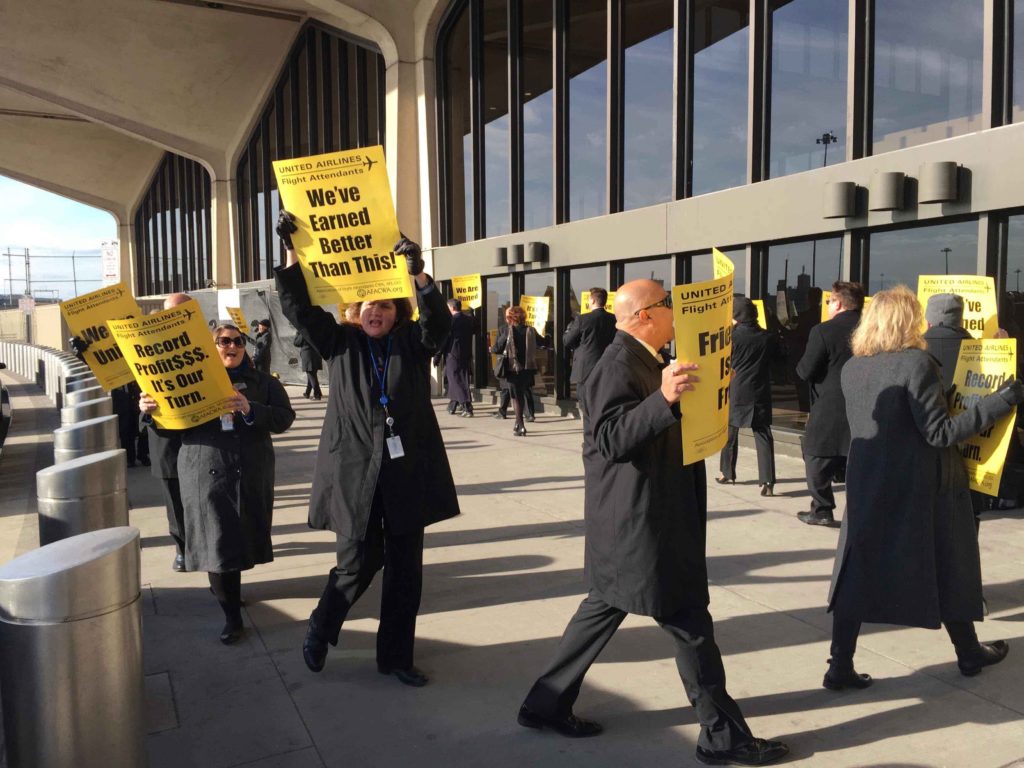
(516, 347)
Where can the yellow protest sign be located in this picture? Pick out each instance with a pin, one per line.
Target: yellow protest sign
(703, 325)
(762, 320)
(343, 208)
(585, 305)
(238, 318)
(537, 309)
(172, 356)
(469, 290)
(86, 317)
(984, 365)
(721, 264)
(981, 314)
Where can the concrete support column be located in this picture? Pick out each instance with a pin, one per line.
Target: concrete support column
(402, 148)
(126, 240)
(222, 214)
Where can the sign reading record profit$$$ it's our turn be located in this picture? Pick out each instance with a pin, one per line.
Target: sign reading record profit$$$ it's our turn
(703, 325)
(86, 317)
(984, 365)
(469, 290)
(346, 226)
(172, 356)
(537, 309)
(981, 317)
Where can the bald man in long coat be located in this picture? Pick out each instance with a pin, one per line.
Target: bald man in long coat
(645, 515)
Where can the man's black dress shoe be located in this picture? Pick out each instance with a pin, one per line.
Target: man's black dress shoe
(725, 480)
(570, 725)
(231, 633)
(500, 415)
(757, 752)
(836, 679)
(985, 655)
(410, 676)
(314, 650)
(813, 518)
(179, 564)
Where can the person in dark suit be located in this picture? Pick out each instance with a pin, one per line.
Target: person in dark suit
(645, 515)
(587, 337)
(311, 363)
(458, 358)
(826, 442)
(261, 357)
(750, 394)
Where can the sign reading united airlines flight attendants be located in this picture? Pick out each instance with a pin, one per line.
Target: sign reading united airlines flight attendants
(172, 357)
(981, 315)
(984, 366)
(86, 317)
(703, 325)
(346, 223)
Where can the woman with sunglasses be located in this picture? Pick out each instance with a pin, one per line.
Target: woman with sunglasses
(382, 473)
(226, 475)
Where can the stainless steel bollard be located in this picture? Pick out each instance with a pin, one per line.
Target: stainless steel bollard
(81, 382)
(83, 494)
(74, 397)
(85, 438)
(71, 672)
(90, 409)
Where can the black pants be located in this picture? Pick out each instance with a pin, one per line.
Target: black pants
(697, 658)
(820, 471)
(175, 512)
(764, 442)
(401, 557)
(312, 385)
(845, 633)
(528, 404)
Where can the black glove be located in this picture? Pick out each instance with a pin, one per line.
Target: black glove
(285, 227)
(413, 255)
(78, 344)
(437, 360)
(1012, 392)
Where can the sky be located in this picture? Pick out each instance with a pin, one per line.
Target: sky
(50, 226)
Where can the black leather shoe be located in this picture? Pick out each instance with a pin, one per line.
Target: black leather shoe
(410, 676)
(531, 418)
(500, 415)
(179, 564)
(231, 633)
(768, 489)
(570, 725)
(838, 678)
(985, 655)
(813, 518)
(519, 431)
(314, 650)
(757, 752)
(725, 480)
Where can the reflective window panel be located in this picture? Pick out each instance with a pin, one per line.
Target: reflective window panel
(581, 280)
(496, 118)
(721, 42)
(1011, 305)
(543, 284)
(648, 32)
(459, 132)
(497, 298)
(659, 270)
(900, 255)
(808, 115)
(701, 267)
(928, 65)
(588, 82)
(538, 116)
(1018, 61)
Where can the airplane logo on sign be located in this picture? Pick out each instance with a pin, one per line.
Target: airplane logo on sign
(369, 163)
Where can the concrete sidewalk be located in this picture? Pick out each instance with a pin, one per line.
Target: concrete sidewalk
(500, 583)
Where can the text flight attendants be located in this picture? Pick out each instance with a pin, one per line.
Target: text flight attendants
(376, 503)
(645, 516)
(908, 550)
(226, 478)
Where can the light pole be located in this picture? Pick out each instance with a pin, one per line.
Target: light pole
(1017, 271)
(826, 138)
(946, 251)
(882, 278)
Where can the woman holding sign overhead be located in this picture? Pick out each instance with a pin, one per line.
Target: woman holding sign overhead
(226, 476)
(908, 552)
(381, 474)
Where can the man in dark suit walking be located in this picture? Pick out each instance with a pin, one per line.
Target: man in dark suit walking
(827, 433)
(588, 335)
(645, 515)
(458, 357)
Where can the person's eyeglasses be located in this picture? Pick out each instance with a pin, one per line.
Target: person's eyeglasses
(666, 302)
(227, 341)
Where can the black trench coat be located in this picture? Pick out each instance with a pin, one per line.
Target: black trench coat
(350, 462)
(828, 349)
(227, 481)
(309, 358)
(908, 551)
(750, 390)
(645, 513)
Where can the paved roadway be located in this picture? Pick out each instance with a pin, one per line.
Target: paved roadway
(500, 583)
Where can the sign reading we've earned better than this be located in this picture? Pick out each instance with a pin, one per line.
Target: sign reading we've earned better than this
(347, 227)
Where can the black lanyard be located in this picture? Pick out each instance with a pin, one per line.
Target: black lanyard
(382, 378)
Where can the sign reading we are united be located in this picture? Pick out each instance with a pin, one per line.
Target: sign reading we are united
(346, 223)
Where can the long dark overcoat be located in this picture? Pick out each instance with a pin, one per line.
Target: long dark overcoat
(645, 513)
(227, 481)
(458, 352)
(350, 462)
(908, 551)
(750, 390)
(828, 349)
(944, 345)
(309, 358)
(588, 336)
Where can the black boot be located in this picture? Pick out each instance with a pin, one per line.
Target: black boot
(314, 650)
(982, 655)
(841, 674)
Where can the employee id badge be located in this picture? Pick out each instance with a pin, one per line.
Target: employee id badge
(227, 422)
(395, 449)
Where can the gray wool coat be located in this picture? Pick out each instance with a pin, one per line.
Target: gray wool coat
(908, 551)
